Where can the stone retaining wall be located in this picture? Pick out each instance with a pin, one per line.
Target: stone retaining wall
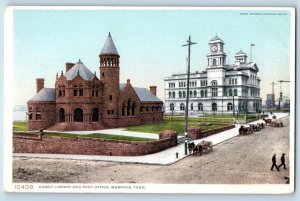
(87, 146)
(196, 133)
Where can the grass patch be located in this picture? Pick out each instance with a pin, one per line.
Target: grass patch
(178, 126)
(99, 135)
(20, 126)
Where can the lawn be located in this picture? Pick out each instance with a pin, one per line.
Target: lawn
(177, 125)
(99, 135)
(20, 126)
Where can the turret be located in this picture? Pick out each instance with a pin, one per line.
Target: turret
(240, 57)
(110, 77)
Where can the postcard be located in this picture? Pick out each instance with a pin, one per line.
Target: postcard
(149, 100)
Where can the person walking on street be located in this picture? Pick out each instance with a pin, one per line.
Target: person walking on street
(282, 161)
(274, 163)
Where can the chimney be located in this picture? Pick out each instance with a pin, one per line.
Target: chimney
(39, 84)
(69, 66)
(153, 90)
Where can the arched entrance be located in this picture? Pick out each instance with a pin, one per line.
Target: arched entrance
(61, 114)
(78, 115)
(95, 114)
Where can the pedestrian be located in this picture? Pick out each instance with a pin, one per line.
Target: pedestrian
(282, 161)
(274, 163)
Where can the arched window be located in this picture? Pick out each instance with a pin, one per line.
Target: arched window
(229, 106)
(170, 94)
(78, 115)
(214, 83)
(205, 93)
(192, 106)
(202, 94)
(195, 94)
(173, 94)
(123, 109)
(200, 107)
(128, 107)
(133, 109)
(180, 94)
(61, 114)
(172, 106)
(183, 94)
(214, 107)
(30, 113)
(95, 114)
(214, 62)
(191, 94)
(38, 113)
(230, 92)
(80, 90)
(75, 90)
(181, 106)
(235, 92)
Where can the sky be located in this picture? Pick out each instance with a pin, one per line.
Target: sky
(149, 43)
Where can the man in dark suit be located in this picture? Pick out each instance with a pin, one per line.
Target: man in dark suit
(282, 161)
(274, 163)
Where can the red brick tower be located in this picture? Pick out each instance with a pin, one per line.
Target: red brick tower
(110, 76)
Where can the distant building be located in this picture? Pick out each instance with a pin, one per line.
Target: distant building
(219, 88)
(82, 101)
(270, 102)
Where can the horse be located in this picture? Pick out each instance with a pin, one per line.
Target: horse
(267, 121)
(245, 130)
(191, 147)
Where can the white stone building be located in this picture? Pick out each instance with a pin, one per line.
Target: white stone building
(219, 89)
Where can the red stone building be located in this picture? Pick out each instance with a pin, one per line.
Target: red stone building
(82, 101)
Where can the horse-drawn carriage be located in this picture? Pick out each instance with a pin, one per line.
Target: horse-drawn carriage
(273, 122)
(202, 147)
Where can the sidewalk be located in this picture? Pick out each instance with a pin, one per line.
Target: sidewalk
(165, 157)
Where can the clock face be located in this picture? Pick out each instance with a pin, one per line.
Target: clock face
(215, 48)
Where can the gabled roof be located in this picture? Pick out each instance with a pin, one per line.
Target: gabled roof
(45, 94)
(143, 94)
(80, 69)
(109, 47)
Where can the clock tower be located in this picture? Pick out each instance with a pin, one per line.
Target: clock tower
(216, 56)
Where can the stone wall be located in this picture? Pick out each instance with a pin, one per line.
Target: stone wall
(88, 146)
(196, 133)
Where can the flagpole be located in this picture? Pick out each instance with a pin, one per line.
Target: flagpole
(251, 45)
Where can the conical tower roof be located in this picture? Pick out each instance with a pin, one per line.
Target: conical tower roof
(109, 47)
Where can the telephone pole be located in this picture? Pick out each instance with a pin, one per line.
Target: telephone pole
(189, 44)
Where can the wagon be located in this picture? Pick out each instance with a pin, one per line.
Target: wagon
(276, 123)
(207, 146)
(202, 147)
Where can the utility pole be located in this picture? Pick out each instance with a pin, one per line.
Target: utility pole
(273, 95)
(280, 94)
(189, 43)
